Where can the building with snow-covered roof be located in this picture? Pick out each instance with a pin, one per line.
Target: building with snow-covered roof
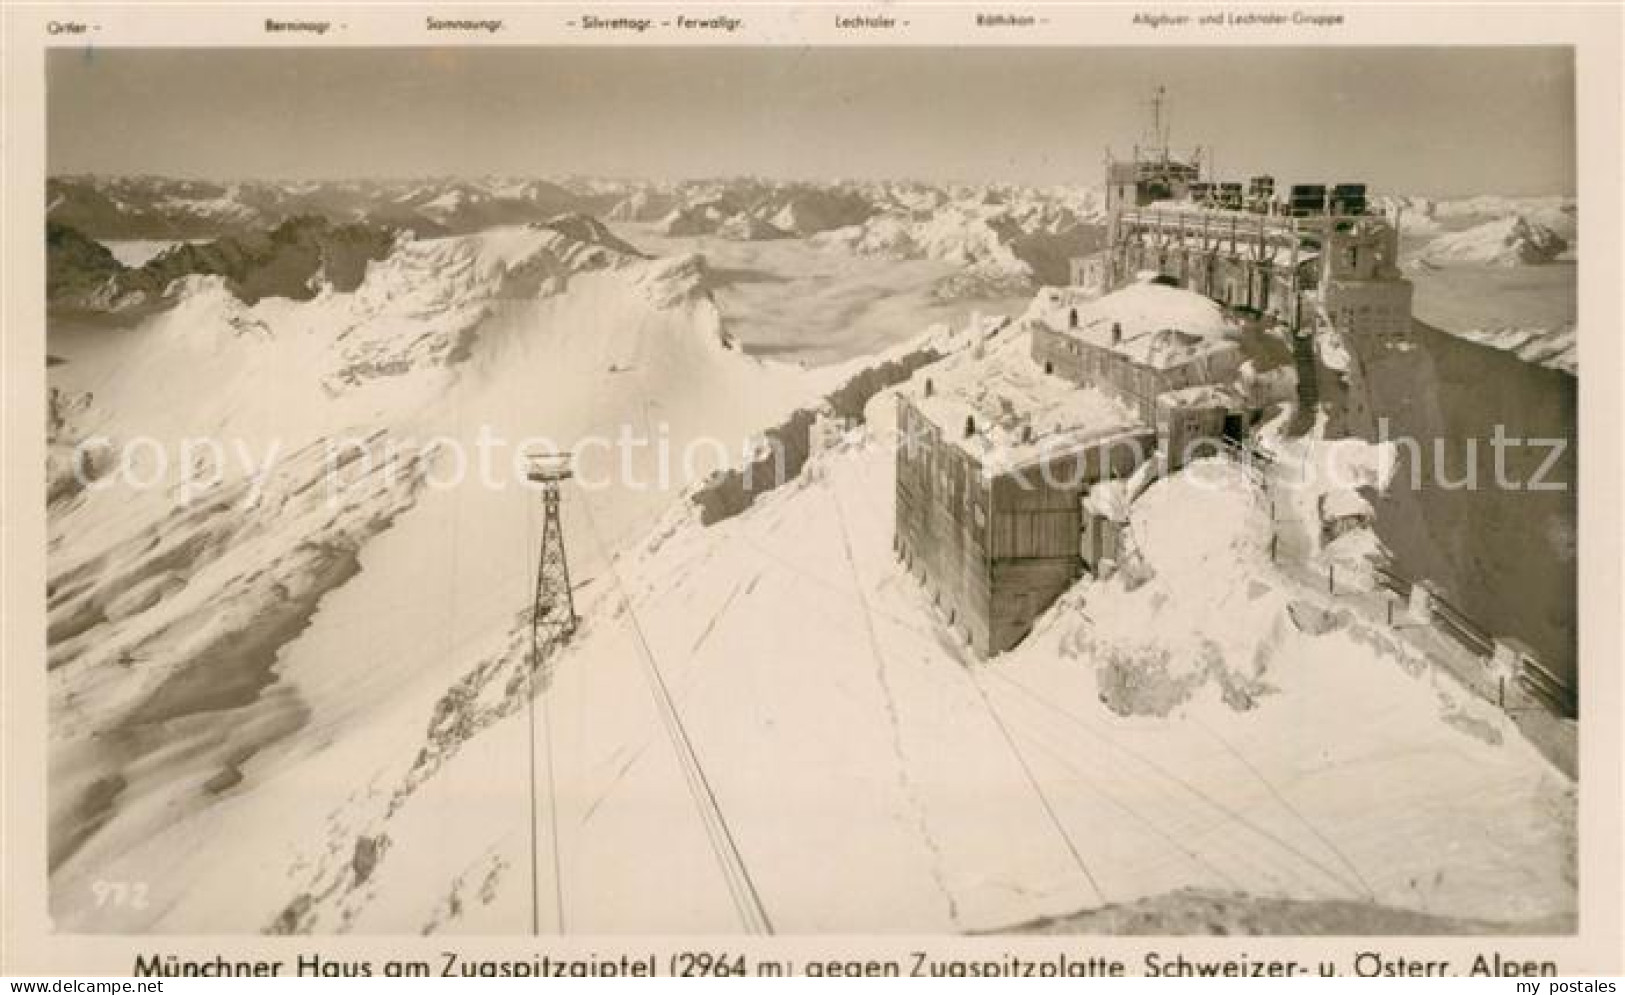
(1173, 340)
(1181, 361)
(1000, 452)
(1138, 343)
(1316, 256)
(994, 460)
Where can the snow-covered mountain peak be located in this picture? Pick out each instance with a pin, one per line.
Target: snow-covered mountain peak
(675, 279)
(1513, 240)
(589, 231)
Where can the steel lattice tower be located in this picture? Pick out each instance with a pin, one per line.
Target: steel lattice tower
(553, 613)
(552, 620)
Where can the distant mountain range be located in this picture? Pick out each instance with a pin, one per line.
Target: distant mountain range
(112, 236)
(145, 207)
(152, 207)
(1010, 239)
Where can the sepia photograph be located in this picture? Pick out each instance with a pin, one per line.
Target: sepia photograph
(536, 490)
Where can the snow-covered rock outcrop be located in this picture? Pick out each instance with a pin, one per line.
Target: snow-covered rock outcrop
(297, 259)
(1557, 348)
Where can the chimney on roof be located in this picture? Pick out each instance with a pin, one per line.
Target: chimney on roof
(970, 426)
(930, 388)
(1117, 333)
(1072, 319)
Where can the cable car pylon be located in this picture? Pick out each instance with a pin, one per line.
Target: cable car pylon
(552, 621)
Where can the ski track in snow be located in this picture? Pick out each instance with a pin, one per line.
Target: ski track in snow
(894, 722)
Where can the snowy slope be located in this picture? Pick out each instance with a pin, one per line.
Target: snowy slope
(1557, 347)
(367, 764)
(907, 768)
(935, 792)
(176, 663)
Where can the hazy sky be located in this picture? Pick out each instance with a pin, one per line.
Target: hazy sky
(1415, 120)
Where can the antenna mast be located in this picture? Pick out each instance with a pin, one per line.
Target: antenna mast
(1159, 127)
